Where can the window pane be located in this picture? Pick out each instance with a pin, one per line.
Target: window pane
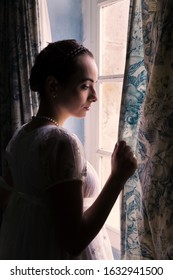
(110, 98)
(105, 168)
(113, 219)
(113, 37)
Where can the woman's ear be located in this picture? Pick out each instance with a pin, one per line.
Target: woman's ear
(52, 85)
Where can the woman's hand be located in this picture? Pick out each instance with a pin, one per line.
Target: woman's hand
(123, 162)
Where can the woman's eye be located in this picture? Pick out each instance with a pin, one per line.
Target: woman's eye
(85, 87)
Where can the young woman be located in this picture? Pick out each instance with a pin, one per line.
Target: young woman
(56, 210)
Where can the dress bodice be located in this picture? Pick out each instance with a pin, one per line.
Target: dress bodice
(38, 160)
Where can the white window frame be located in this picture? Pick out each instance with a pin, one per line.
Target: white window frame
(91, 38)
(91, 124)
(44, 22)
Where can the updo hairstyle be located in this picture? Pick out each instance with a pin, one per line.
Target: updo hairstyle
(58, 59)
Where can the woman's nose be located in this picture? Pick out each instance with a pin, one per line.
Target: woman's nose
(93, 96)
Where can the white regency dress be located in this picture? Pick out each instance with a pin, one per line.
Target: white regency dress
(27, 231)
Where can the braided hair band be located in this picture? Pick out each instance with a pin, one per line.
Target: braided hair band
(76, 51)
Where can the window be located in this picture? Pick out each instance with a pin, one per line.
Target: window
(105, 34)
(45, 31)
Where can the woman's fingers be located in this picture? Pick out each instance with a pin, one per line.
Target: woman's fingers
(123, 160)
(122, 149)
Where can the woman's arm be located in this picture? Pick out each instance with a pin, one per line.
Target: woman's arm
(75, 228)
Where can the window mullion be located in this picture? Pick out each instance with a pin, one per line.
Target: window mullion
(103, 152)
(103, 3)
(119, 77)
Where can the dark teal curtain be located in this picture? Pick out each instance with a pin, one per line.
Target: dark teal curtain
(147, 124)
(19, 44)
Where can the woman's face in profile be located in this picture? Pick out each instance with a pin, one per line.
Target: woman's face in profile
(79, 93)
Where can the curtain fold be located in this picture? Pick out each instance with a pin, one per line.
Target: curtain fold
(19, 44)
(133, 95)
(147, 228)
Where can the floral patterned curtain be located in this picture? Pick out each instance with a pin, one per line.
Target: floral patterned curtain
(147, 201)
(19, 44)
(133, 96)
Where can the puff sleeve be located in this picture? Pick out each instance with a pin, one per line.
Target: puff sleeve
(63, 158)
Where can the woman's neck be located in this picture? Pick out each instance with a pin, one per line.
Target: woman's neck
(52, 111)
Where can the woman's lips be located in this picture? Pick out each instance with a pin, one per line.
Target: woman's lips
(87, 108)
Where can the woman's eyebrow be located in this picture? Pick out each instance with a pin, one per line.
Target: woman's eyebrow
(87, 79)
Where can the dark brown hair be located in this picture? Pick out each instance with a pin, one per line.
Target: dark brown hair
(58, 59)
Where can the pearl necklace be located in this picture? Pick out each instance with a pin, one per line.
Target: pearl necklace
(45, 118)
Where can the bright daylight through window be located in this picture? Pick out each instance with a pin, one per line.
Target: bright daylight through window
(108, 41)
